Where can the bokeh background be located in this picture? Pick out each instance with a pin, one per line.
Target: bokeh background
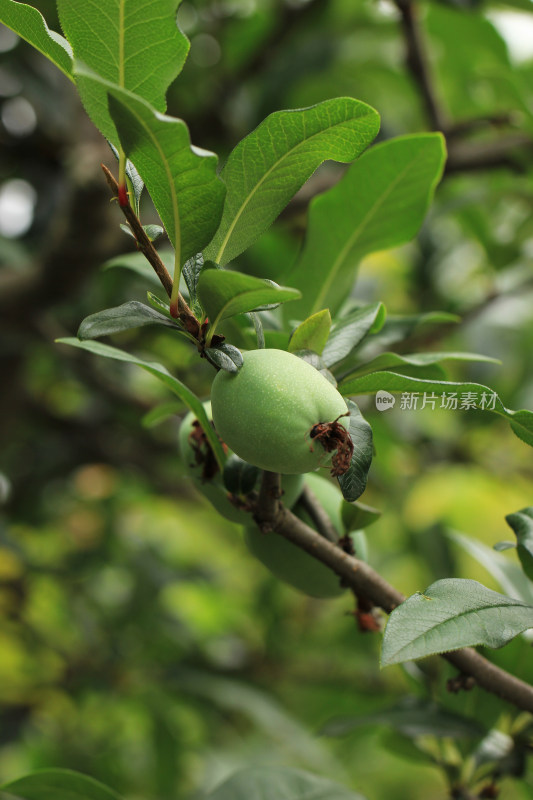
(139, 641)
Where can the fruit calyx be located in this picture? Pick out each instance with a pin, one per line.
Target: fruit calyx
(204, 456)
(334, 436)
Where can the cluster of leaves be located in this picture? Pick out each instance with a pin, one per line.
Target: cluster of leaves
(211, 219)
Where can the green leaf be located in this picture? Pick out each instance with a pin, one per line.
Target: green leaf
(487, 400)
(356, 516)
(122, 318)
(412, 717)
(347, 333)
(180, 178)
(225, 356)
(224, 293)
(395, 360)
(353, 482)
(280, 783)
(137, 183)
(191, 272)
(30, 25)
(379, 203)
(268, 167)
(175, 386)
(160, 306)
(451, 614)
(522, 524)
(136, 46)
(312, 333)
(56, 784)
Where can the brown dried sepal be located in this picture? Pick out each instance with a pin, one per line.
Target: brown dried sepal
(204, 456)
(334, 437)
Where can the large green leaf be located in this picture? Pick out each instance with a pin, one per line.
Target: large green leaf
(280, 783)
(134, 45)
(223, 293)
(266, 169)
(486, 399)
(522, 524)
(380, 203)
(175, 386)
(395, 360)
(451, 614)
(29, 24)
(56, 784)
(181, 179)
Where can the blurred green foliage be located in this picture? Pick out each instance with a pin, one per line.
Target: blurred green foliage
(139, 642)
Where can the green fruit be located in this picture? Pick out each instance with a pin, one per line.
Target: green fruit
(287, 561)
(270, 411)
(196, 454)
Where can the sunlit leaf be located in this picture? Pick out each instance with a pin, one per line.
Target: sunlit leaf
(137, 46)
(267, 168)
(348, 332)
(380, 202)
(28, 23)
(312, 333)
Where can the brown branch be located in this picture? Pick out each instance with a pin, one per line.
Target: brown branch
(146, 247)
(367, 583)
(417, 63)
(507, 152)
(321, 520)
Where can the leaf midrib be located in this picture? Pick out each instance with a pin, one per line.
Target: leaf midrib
(265, 176)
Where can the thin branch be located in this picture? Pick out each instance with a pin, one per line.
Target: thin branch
(268, 504)
(146, 247)
(418, 65)
(367, 583)
(507, 152)
(321, 520)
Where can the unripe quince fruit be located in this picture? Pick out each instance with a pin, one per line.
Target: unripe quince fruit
(290, 563)
(197, 455)
(281, 414)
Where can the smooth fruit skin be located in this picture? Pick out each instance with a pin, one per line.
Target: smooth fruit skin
(293, 565)
(266, 411)
(214, 489)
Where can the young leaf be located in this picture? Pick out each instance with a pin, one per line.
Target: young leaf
(279, 783)
(350, 331)
(137, 183)
(223, 293)
(312, 333)
(522, 524)
(379, 203)
(270, 165)
(353, 482)
(136, 46)
(451, 614)
(455, 395)
(175, 386)
(122, 318)
(397, 361)
(180, 178)
(191, 273)
(225, 356)
(60, 784)
(29, 24)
